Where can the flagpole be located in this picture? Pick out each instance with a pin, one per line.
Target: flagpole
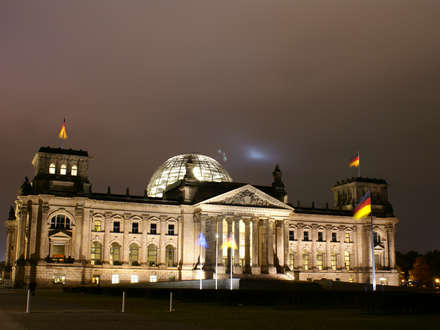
(373, 266)
(216, 256)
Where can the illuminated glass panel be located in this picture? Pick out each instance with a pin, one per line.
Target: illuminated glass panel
(115, 251)
(96, 253)
(52, 168)
(333, 261)
(134, 254)
(74, 170)
(63, 170)
(174, 169)
(115, 279)
(347, 260)
(305, 261)
(320, 260)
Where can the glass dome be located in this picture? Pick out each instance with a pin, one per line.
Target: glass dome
(174, 169)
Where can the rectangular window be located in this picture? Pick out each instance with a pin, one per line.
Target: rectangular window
(347, 260)
(116, 227)
(320, 261)
(115, 278)
(95, 279)
(291, 235)
(153, 229)
(306, 236)
(347, 238)
(153, 278)
(320, 236)
(291, 260)
(58, 251)
(333, 261)
(170, 229)
(134, 279)
(334, 237)
(135, 227)
(306, 261)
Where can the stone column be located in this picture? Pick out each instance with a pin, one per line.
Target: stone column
(285, 233)
(179, 240)
(359, 243)
(279, 230)
(22, 214)
(255, 241)
(387, 248)
(247, 246)
(44, 230)
(144, 246)
(355, 262)
(106, 244)
(220, 240)
(270, 247)
(328, 263)
(392, 249)
(203, 231)
(341, 247)
(237, 265)
(77, 233)
(229, 220)
(125, 248)
(162, 240)
(313, 232)
(298, 260)
(33, 228)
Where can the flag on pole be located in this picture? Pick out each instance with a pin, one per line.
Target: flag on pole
(363, 208)
(63, 132)
(202, 241)
(229, 243)
(355, 161)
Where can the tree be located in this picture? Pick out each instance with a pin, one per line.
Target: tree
(405, 261)
(421, 272)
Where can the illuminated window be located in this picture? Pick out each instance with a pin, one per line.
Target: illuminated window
(291, 260)
(306, 236)
(320, 236)
(347, 238)
(170, 229)
(347, 260)
(152, 255)
(60, 222)
(320, 260)
(135, 227)
(52, 169)
(169, 252)
(115, 252)
(97, 226)
(74, 170)
(153, 229)
(96, 253)
(115, 279)
(305, 261)
(63, 170)
(153, 278)
(291, 235)
(134, 254)
(95, 279)
(59, 279)
(333, 261)
(116, 227)
(134, 279)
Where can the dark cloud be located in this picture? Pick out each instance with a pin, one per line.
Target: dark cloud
(302, 83)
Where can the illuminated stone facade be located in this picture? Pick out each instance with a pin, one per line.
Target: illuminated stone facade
(61, 231)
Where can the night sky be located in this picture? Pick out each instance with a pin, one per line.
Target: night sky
(301, 83)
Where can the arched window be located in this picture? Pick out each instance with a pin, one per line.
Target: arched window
(169, 252)
(152, 255)
(291, 260)
(97, 225)
(63, 170)
(134, 255)
(74, 170)
(96, 253)
(115, 253)
(52, 168)
(347, 260)
(333, 261)
(60, 222)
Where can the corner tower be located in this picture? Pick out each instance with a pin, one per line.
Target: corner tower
(347, 193)
(60, 171)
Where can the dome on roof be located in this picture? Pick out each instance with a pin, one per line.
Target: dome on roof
(174, 169)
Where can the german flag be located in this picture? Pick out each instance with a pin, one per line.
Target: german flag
(229, 243)
(363, 208)
(355, 161)
(63, 132)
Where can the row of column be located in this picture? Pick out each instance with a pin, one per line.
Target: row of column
(269, 241)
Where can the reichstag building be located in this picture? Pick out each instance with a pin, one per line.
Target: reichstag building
(61, 231)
